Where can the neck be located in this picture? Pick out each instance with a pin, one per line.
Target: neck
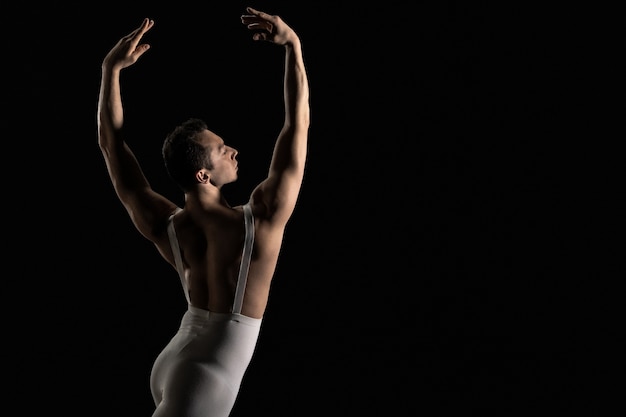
(205, 197)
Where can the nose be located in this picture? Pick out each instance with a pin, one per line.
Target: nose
(235, 153)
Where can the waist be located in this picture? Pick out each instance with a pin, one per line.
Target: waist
(196, 313)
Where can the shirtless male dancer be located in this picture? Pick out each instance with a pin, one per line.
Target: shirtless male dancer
(225, 256)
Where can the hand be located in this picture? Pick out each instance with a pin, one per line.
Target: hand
(268, 27)
(128, 50)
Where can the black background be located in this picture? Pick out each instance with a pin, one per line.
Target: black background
(421, 271)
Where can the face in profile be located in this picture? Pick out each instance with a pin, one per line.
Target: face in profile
(223, 158)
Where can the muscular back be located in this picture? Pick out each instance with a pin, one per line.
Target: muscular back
(211, 244)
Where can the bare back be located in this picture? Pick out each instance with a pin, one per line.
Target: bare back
(211, 244)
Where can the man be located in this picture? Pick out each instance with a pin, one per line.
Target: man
(225, 255)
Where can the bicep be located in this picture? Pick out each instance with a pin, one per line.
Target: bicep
(275, 198)
(149, 212)
(147, 209)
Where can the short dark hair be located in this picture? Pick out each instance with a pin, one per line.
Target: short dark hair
(183, 155)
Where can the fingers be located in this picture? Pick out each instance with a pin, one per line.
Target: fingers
(136, 35)
(128, 49)
(259, 36)
(266, 26)
(256, 16)
(258, 21)
(255, 12)
(146, 25)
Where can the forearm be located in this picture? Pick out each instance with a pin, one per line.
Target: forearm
(296, 86)
(122, 165)
(291, 147)
(110, 110)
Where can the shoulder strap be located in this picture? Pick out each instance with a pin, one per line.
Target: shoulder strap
(171, 232)
(245, 259)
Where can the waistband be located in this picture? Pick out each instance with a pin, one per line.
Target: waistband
(211, 316)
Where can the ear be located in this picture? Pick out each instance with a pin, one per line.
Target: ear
(202, 176)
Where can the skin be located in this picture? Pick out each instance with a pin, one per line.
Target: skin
(210, 232)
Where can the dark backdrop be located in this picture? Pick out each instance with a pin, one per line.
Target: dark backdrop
(420, 271)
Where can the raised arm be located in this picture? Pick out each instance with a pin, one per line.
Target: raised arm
(278, 193)
(146, 208)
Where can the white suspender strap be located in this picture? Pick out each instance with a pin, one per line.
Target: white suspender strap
(177, 257)
(245, 259)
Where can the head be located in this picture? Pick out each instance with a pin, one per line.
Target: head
(194, 155)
